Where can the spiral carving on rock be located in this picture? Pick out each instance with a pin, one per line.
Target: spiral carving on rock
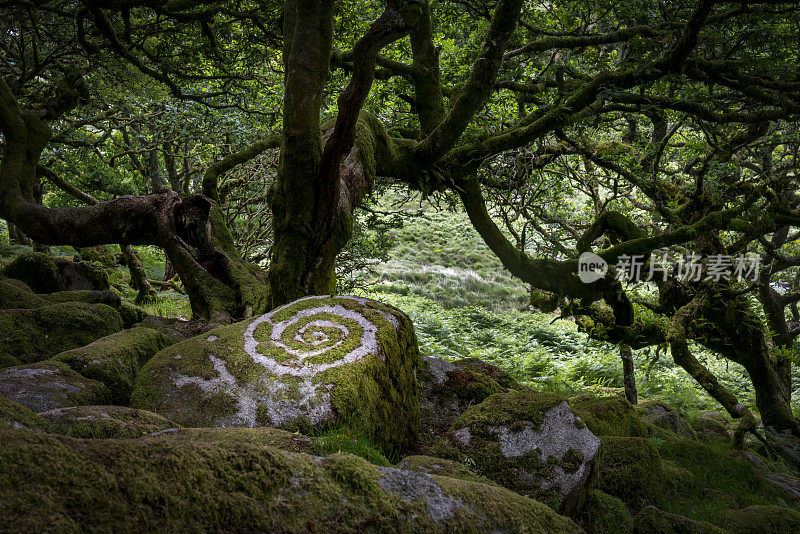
(293, 344)
(309, 334)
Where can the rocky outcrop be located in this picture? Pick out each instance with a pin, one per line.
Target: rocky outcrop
(59, 484)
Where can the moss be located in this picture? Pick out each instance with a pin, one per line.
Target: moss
(13, 296)
(131, 314)
(605, 514)
(49, 385)
(663, 420)
(509, 409)
(651, 520)
(165, 484)
(89, 296)
(116, 359)
(442, 467)
(764, 520)
(100, 422)
(496, 435)
(210, 380)
(712, 479)
(37, 270)
(37, 334)
(676, 478)
(630, 468)
(99, 254)
(259, 437)
(16, 416)
(608, 416)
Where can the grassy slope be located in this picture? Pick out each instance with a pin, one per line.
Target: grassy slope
(464, 303)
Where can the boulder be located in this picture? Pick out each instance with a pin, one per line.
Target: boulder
(440, 466)
(605, 514)
(662, 417)
(260, 436)
(55, 483)
(78, 275)
(89, 296)
(49, 385)
(651, 520)
(101, 422)
(630, 468)
(37, 270)
(711, 425)
(28, 336)
(608, 416)
(447, 389)
(763, 520)
(116, 359)
(133, 314)
(313, 363)
(99, 254)
(12, 296)
(532, 443)
(16, 416)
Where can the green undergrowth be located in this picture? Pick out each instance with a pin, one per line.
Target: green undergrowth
(550, 354)
(344, 439)
(705, 481)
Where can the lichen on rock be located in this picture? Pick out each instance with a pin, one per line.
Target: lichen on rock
(315, 362)
(531, 443)
(103, 422)
(49, 385)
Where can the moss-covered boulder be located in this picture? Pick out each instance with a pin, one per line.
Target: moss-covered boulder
(608, 416)
(100, 422)
(447, 389)
(316, 362)
(257, 437)
(90, 296)
(630, 468)
(37, 269)
(116, 359)
(81, 275)
(664, 420)
(60, 484)
(28, 336)
(710, 425)
(16, 416)
(49, 385)
(132, 314)
(651, 520)
(99, 254)
(441, 466)
(13, 296)
(763, 520)
(605, 514)
(532, 443)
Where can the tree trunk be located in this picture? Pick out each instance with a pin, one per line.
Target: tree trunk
(138, 275)
(628, 375)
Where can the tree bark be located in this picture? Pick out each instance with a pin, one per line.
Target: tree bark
(628, 374)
